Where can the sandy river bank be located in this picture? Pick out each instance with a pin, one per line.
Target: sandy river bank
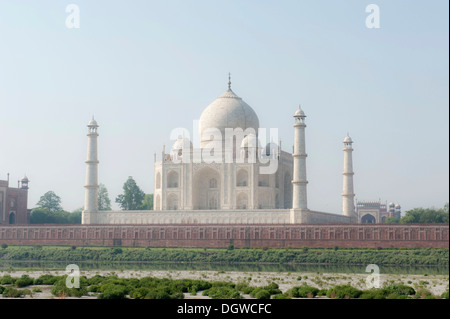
(437, 284)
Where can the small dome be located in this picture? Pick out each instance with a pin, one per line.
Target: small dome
(250, 141)
(25, 179)
(348, 139)
(299, 113)
(92, 122)
(181, 142)
(391, 204)
(397, 206)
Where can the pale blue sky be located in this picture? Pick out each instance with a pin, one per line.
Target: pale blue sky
(144, 68)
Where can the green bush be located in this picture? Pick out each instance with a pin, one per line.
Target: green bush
(24, 281)
(94, 288)
(2, 289)
(373, 294)
(244, 288)
(46, 279)
(95, 280)
(272, 288)
(159, 293)
(303, 292)
(192, 285)
(117, 251)
(322, 292)
(343, 292)
(398, 289)
(13, 293)
(4, 246)
(444, 295)
(111, 291)
(261, 294)
(7, 280)
(222, 292)
(61, 290)
(223, 284)
(423, 294)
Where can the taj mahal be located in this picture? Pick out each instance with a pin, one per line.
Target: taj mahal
(234, 176)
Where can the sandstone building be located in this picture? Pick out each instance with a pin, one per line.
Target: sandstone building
(13, 203)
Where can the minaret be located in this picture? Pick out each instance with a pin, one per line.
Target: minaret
(348, 204)
(299, 182)
(91, 186)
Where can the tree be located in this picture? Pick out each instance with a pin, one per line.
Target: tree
(44, 216)
(132, 197)
(426, 215)
(392, 220)
(104, 203)
(75, 216)
(50, 201)
(148, 202)
(445, 209)
(39, 216)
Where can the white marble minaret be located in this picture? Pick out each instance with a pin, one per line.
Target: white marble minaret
(348, 196)
(299, 211)
(91, 186)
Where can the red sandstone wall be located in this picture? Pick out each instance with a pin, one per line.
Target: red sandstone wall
(319, 235)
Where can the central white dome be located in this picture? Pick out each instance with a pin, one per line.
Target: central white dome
(227, 111)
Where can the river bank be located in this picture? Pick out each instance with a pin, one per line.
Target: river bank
(436, 284)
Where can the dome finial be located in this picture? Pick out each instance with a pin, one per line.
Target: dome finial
(229, 81)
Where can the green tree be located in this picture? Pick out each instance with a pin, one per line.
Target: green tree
(50, 201)
(426, 215)
(148, 202)
(392, 220)
(75, 216)
(44, 216)
(132, 197)
(39, 216)
(104, 203)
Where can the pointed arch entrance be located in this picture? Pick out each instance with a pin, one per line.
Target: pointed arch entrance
(12, 218)
(206, 189)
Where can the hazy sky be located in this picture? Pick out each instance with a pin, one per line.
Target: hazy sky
(144, 68)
